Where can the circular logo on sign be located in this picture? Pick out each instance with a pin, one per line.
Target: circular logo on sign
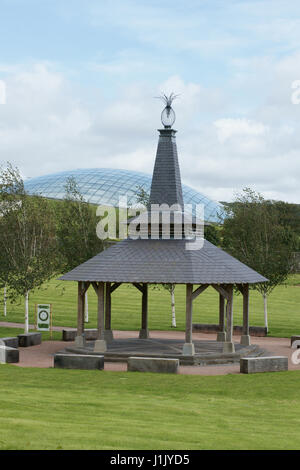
(43, 315)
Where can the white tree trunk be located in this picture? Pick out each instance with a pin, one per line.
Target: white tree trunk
(86, 308)
(266, 310)
(5, 301)
(173, 306)
(26, 326)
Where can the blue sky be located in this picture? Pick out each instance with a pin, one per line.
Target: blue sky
(81, 77)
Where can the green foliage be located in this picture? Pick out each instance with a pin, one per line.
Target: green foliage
(212, 234)
(28, 243)
(76, 228)
(289, 215)
(11, 194)
(142, 197)
(252, 232)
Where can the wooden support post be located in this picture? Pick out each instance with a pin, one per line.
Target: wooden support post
(221, 313)
(144, 333)
(101, 310)
(188, 348)
(245, 338)
(108, 334)
(79, 340)
(228, 345)
(221, 336)
(100, 343)
(80, 309)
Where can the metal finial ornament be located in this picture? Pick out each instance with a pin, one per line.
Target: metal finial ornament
(168, 115)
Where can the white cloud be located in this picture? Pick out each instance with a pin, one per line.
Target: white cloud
(227, 128)
(47, 125)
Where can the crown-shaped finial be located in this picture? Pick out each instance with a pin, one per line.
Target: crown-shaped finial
(168, 115)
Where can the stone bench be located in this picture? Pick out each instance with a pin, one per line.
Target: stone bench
(8, 355)
(253, 365)
(11, 341)
(295, 338)
(70, 335)
(149, 364)
(237, 329)
(78, 361)
(29, 339)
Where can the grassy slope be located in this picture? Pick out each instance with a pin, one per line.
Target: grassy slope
(51, 408)
(284, 310)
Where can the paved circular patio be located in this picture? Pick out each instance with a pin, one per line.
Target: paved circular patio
(42, 355)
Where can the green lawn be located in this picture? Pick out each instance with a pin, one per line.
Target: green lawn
(284, 307)
(54, 409)
(6, 332)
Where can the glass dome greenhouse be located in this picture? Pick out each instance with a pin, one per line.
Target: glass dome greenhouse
(106, 185)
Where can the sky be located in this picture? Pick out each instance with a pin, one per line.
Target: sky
(81, 77)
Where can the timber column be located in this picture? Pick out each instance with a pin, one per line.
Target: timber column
(188, 347)
(228, 346)
(108, 334)
(79, 340)
(245, 338)
(221, 336)
(100, 343)
(144, 332)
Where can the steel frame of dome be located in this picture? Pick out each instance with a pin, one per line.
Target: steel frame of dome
(106, 185)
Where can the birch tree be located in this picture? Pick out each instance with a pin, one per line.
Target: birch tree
(10, 185)
(3, 281)
(171, 289)
(28, 239)
(252, 233)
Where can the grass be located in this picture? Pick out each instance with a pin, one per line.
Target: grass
(284, 311)
(6, 332)
(61, 409)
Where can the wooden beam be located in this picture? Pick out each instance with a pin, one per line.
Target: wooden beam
(114, 286)
(199, 291)
(80, 309)
(246, 309)
(107, 306)
(140, 287)
(86, 285)
(145, 308)
(189, 313)
(240, 288)
(221, 290)
(95, 286)
(229, 314)
(221, 313)
(100, 310)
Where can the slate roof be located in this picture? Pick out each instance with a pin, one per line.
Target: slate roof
(166, 181)
(164, 261)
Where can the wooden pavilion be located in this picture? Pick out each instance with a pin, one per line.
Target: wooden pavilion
(155, 260)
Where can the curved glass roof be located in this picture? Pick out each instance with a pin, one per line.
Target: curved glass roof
(105, 186)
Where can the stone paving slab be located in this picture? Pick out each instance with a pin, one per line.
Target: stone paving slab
(206, 352)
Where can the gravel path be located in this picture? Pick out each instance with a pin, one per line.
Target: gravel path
(42, 355)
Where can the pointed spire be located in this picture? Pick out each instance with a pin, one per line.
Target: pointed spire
(166, 181)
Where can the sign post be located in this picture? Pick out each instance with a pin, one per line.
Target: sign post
(44, 318)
